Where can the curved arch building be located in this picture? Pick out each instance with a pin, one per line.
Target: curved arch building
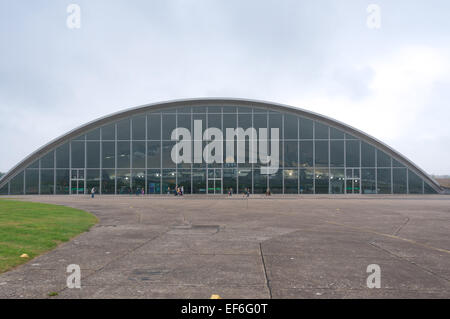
(211, 145)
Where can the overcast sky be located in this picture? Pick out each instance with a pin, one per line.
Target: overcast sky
(392, 83)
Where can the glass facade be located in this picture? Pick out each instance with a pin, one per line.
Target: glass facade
(135, 154)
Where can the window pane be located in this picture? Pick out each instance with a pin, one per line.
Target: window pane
(276, 182)
(259, 121)
(290, 153)
(275, 121)
(109, 132)
(260, 182)
(198, 181)
(428, 189)
(322, 153)
(123, 181)
(290, 127)
(93, 154)
(47, 181)
(245, 180)
(367, 155)
(368, 180)
(383, 160)
(123, 154)
(92, 180)
(337, 181)
(154, 126)
(32, 181)
(123, 130)
(321, 131)
(108, 181)
(138, 127)
(322, 181)
(290, 181)
(229, 121)
(109, 154)
(47, 161)
(138, 181)
(306, 128)
(154, 181)
(415, 183)
(337, 153)
(62, 181)
(93, 135)
(154, 154)
(306, 153)
(336, 134)
(306, 181)
(384, 180)
(138, 154)
(184, 120)
(77, 154)
(399, 180)
(352, 150)
(230, 180)
(62, 156)
(166, 153)
(184, 179)
(169, 124)
(16, 184)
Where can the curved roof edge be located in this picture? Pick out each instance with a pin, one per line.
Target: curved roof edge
(222, 102)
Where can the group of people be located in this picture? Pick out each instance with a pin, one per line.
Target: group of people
(177, 191)
(246, 192)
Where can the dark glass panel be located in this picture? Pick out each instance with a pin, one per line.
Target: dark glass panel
(259, 182)
(291, 154)
(32, 181)
(123, 154)
(62, 156)
(16, 184)
(154, 126)
(48, 160)
(184, 120)
(80, 138)
(4, 190)
(169, 124)
(306, 129)
(383, 160)
(47, 182)
(399, 180)
(35, 164)
(290, 181)
(229, 180)
(77, 154)
(123, 180)
(214, 109)
(290, 127)
(199, 181)
(368, 181)
(415, 183)
(138, 125)
(275, 121)
(322, 181)
(123, 130)
(244, 121)
(167, 161)
(384, 180)
(109, 154)
(245, 180)
(395, 163)
(337, 153)
(138, 181)
(229, 121)
(337, 181)
(93, 180)
(93, 154)
(367, 155)
(108, 181)
(154, 181)
(259, 121)
(62, 181)
(336, 134)
(93, 135)
(229, 109)
(109, 132)
(242, 109)
(307, 181)
(199, 109)
(321, 153)
(320, 131)
(306, 153)
(184, 179)
(276, 182)
(352, 151)
(138, 155)
(350, 137)
(428, 189)
(154, 154)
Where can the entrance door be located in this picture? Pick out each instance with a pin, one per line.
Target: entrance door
(353, 181)
(214, 181)
(77, 181)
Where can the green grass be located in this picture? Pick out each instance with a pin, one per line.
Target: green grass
(34, 228)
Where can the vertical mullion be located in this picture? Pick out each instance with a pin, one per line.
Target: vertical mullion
(314, 157)
(101, 161)
(115, 159)
(146, 155)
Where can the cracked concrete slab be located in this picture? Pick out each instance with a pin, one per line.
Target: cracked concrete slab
(280, 247)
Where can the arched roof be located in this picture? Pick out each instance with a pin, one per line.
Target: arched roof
(160, 106)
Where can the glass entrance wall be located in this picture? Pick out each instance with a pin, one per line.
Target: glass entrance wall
(135, 154)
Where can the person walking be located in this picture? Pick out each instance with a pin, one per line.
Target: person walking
(182, 190)
(92, 192)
